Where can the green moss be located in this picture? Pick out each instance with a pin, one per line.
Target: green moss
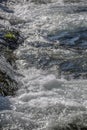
(9, 35)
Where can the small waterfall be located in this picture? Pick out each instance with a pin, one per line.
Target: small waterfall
(44, 60)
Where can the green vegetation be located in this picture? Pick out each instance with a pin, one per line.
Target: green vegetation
(10, 35)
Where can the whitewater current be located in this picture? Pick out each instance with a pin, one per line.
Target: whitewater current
(51, 66)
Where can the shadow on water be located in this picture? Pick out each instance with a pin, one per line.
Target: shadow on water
(70, 9)
(70, 52)
(80, 9)
(75, 40)
(6, 9)
(73, 1)
(4, 103)
(41, 1)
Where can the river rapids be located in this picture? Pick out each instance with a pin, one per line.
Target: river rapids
(51, 65)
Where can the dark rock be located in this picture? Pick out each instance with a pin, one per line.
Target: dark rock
(10, 38)
(16, 21)
(9, 41)
(8, 84)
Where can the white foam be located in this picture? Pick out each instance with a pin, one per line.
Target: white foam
(42, 95)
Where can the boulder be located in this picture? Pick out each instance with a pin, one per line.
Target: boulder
(9, 41)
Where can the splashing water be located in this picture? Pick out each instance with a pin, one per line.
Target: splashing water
(52, 64)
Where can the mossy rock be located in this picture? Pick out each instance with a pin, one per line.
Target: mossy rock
(11, 38)
(9, 41)
(10, 35)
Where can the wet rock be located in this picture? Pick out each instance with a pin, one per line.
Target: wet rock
(8, 84)
(9, 41)
(16, 21)
(9, 55)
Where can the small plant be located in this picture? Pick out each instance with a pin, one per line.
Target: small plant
(9, 35)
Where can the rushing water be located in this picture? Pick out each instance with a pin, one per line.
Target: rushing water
(52, 63)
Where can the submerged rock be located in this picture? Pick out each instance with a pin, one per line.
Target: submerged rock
(16, 21)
